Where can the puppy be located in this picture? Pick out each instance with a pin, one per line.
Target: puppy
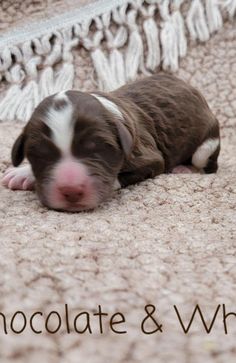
(82, 146)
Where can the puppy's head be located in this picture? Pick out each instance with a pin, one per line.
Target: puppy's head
(76, 143)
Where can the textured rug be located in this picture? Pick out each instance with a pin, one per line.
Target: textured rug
(168, 241)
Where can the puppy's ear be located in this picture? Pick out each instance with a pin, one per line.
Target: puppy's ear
(125, 137)
(122, 119)
(18, 152)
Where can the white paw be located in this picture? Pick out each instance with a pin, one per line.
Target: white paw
(20, 178)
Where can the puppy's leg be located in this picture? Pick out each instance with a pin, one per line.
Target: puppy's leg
(137, 175)
(20, 178)
(206, 155)
(212, 164)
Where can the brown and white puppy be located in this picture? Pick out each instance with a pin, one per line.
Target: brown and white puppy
(82, 146)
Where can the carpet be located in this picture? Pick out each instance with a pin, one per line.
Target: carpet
(167, 243)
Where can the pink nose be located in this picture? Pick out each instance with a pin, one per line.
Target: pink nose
(72, 194)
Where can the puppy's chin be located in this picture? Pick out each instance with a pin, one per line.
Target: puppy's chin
(51, 198)
(96, 193)
(60, 205)
(63, 207)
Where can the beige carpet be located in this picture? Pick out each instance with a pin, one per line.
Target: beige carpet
(168, 241)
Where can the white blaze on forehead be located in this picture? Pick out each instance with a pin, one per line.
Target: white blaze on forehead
(60, 123)
(204, 151)
(109, 105)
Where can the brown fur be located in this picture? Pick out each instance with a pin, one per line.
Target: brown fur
(168, 120)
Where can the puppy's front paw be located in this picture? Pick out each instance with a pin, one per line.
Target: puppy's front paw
(20, 178)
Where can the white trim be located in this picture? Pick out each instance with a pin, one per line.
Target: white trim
(37, 29)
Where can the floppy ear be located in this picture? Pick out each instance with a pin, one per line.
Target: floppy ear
(125, 137)
(18, 152)
(121, 121)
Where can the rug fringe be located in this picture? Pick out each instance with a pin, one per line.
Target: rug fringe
(117, 42)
